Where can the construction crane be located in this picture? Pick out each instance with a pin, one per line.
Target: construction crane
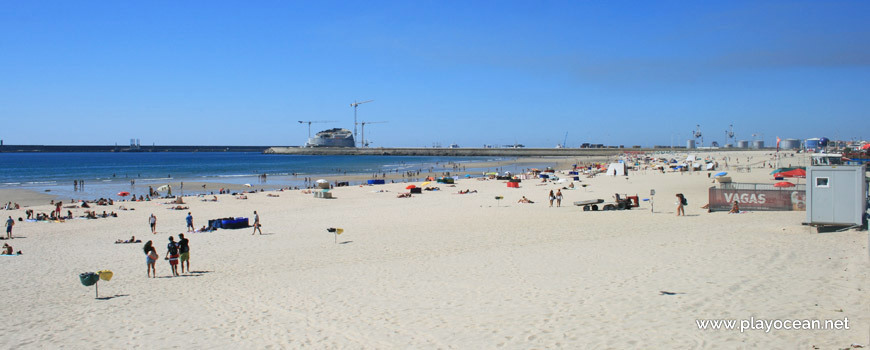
(364, 143)
(697, 134)
(355, 105)
(309, 122)
(729, 135)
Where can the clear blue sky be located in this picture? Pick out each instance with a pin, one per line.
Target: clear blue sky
(469, 72)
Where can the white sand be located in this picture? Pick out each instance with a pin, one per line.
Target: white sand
(441, 270)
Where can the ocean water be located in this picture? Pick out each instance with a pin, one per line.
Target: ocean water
(106, 174)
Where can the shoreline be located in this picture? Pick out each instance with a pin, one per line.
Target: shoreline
(33, 196)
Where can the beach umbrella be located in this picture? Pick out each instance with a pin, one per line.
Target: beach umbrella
(124, 194)
(410, 187)
(866, 146)
(798, 173)
(467, 175)
(721, 174)
(783, 184)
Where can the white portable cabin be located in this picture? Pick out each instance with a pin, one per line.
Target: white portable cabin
(836, 195)
(617, 169)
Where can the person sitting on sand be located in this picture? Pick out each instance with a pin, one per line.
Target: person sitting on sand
(735, 209)
(571, 186)
(524, 200)
(7, 250)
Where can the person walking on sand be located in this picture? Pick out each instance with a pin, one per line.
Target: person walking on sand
(256, 224)
(189, 220)
(153, 222)
(558, 198)
(184, 248)
(9, 224)
(552, 198)
(150, 259)
(172, 255)
(681, 201)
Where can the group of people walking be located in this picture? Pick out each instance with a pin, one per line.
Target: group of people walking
(177, 253)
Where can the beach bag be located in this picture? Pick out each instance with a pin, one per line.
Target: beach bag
(685, 202)
(89, 278)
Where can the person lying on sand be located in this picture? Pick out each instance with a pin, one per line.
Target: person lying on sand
(131, 240)
(242, 197)
(404, 195)
(272, 195)
(524, 200)
(179, 207)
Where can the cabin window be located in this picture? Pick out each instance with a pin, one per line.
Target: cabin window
(822, 182)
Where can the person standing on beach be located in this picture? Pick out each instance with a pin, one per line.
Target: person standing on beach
(552, 198)
(150, 259)
(172, 255)
(256, 224)
(9, 224)
(558, 198)
(184, 248)
(153, 222)
(681, 201)
(189, 219)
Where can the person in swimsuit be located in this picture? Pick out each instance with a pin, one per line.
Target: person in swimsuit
(680, 200)
(9, 224)
(189, 219)
(172, 255)
(558, 198)
(552, 198)
(150, 259)
(256, 223)
(184, 248)
(153, 222)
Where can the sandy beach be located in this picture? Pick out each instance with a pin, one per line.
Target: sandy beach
(441, 270)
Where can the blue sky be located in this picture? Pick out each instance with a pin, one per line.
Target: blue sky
(471, 73)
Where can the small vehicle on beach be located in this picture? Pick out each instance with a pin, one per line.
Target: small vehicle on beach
(620, 203)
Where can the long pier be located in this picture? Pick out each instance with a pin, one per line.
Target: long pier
(459, 152)
(96, 148)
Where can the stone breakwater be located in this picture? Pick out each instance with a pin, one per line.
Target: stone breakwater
(461, 152)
